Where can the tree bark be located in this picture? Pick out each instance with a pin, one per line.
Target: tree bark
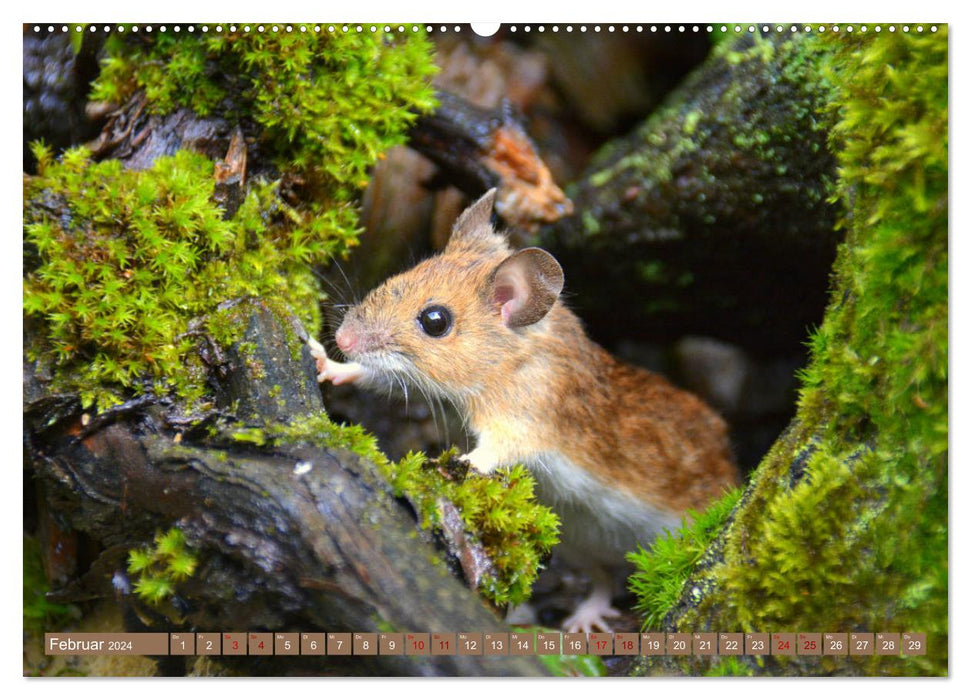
(718, 202)
(278, 549)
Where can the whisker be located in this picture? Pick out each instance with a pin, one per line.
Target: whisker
(404, 388)
(350, 287)
(331, 286)
(441, 409)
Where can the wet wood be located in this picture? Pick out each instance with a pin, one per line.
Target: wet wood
(290, 537)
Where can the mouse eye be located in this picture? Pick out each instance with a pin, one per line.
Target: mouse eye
(436, 321)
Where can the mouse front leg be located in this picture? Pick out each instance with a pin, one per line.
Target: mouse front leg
(486, 457)
(331, 370)
(589, 615)
(482, 459)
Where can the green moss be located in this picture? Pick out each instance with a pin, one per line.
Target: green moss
(41, 615)
(662, 571)
(729, 666)
(327, 103)
(844, 526)
(156, 570)
(684, 126)
(499, 511)
(118, 262)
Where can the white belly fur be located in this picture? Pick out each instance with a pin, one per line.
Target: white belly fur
(599, 524)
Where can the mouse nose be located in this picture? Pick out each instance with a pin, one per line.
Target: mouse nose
(346, 339)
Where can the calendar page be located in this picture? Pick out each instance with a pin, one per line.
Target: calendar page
(520, 349)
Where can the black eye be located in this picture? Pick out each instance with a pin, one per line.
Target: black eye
(436, 321)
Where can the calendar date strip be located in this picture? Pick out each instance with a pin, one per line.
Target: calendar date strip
(485, 644)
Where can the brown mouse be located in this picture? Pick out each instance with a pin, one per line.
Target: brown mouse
(617, 451)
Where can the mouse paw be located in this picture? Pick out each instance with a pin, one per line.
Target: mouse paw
(589, 617)
(320, 356)
(481, 459)
(331, 370)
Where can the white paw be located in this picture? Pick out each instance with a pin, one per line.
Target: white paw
(590, 614)
(331, 370)
(589, 617)
(481, 459)
(320, 355)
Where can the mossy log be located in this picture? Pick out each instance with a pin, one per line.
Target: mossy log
(713, 217)
(844, 525)
(322, 547)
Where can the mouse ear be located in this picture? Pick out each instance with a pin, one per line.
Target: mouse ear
(473, 229)
(526, 285)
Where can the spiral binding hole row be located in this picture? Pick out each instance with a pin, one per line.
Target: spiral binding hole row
(527, 28)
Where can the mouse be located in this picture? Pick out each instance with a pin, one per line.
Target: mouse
(617, 451)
